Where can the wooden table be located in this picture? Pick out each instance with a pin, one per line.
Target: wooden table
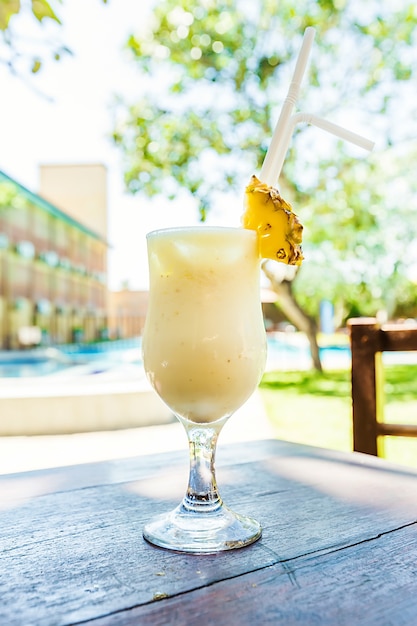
(339, 544)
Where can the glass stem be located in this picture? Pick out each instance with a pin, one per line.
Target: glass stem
(202, 493)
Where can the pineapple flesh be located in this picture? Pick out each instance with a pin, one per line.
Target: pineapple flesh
(279, 229)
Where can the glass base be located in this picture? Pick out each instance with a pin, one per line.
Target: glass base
(202, 532)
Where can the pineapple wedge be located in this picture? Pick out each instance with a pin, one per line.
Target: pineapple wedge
(279, 229)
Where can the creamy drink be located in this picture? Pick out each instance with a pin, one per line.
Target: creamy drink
(204, 343)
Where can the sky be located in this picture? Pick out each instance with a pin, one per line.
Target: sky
(63, 115)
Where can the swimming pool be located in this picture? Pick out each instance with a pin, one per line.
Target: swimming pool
(286, 352)
(15, 365)
(67, 359)
(82, 360)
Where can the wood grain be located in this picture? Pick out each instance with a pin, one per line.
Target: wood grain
(373, 582)
(335, 525)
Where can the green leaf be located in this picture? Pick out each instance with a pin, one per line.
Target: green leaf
(41, 9)
(8, 8)
(36, 66)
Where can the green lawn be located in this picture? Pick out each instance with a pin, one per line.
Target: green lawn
(312, 408)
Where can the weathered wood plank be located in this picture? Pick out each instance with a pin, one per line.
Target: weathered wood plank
(74, 555)
(40, 482)
(372, 583)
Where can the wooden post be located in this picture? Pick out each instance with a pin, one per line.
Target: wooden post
(364, 345)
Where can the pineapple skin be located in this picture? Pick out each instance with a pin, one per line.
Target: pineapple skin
(278, 227)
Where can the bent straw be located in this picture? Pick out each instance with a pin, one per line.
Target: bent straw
(309, 118)
(268, 167)
(339, 131)
(274, 160)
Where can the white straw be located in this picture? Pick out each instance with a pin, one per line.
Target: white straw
(334, 129)
(309, 118)
(274, 159)
(268, 168)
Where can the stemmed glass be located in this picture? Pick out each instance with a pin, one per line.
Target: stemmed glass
(204, 351)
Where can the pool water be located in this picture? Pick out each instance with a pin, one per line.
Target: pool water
(283, 353)
(71, 358)
(24, 368)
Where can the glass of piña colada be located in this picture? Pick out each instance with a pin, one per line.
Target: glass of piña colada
(204, 351)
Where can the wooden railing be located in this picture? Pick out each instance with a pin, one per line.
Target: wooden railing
(368, 341)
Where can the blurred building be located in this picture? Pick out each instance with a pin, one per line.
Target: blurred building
(78, 190)
(127, 312)
(53, 264)
(53, 257)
